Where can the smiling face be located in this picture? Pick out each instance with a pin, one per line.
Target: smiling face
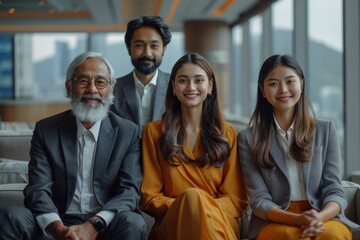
(92, 69)
(146, 50)
(89, 103)
(191, 85)
(282, 88)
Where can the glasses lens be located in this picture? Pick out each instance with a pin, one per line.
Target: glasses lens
(101, 83)
(84, 82)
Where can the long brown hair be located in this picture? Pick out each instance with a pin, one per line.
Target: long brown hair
(263, 124)
(216, 146)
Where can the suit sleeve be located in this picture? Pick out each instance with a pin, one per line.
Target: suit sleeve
(331, 176)
(234, 199)
(153, 200)
(38, 192)
(260, 197)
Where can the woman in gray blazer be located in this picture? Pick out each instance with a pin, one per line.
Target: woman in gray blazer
(291, 161)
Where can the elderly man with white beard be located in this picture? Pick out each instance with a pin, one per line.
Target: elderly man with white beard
(84, 169)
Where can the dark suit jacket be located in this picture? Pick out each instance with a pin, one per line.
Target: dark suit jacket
(125, 102)
(53, 165)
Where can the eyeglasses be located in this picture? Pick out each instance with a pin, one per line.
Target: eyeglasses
(100, 83)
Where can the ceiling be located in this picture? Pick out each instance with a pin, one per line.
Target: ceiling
(112, 15)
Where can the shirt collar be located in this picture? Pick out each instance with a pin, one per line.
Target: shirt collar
(95, 129)
(281, 131)
(152, 81)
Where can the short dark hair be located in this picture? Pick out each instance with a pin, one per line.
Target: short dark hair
(155, 22)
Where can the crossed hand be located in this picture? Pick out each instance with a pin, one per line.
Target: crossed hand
(83, 231)
(312, 226)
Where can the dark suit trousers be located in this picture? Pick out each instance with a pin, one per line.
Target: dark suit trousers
(19, 223)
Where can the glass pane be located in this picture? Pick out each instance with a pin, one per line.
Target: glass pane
(236, 79)
(325, 78)
(255, 58)
(41, 60)
(6, 66)
(283, 26)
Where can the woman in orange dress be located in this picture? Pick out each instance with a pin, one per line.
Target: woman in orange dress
(192, 182)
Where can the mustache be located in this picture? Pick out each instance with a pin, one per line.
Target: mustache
(89, 96)
(141, 59)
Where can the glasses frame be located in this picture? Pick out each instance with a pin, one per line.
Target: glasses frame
(88, 81)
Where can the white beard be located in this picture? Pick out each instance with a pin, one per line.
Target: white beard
(88, 112)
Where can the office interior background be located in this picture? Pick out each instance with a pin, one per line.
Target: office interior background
(39, 38)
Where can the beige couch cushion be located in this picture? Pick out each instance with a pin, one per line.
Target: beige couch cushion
(12, 194)
(15, 144)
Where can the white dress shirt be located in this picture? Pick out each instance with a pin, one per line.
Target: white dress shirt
(145, 97)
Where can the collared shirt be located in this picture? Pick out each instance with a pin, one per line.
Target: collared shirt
(294, 167)
(84, 200)
(145, 97)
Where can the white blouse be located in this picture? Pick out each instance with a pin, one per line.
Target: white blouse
(295, 173)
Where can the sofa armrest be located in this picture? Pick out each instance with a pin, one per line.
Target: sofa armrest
(15, 145)
(12, 194)
(352, 191)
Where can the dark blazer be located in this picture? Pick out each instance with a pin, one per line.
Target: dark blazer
(270, 188)
(53, 165)
(125, 102)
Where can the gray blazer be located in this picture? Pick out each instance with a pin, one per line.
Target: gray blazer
(125, 102)
(53, 165)
(270, 188)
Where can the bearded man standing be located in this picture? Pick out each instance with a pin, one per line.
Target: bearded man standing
(140, 95)
(84, 169)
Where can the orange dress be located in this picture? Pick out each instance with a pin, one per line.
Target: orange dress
(187, 201)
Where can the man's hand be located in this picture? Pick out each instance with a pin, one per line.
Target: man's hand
(59, 231)
(85, 231)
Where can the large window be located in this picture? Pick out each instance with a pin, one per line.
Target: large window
(283, 26)
(325, 62)
(41, 59)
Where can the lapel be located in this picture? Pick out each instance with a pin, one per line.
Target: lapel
(277, 155)
(106, 140)
(129, 92)
(307, 165)
(68, 142)
(161, 87)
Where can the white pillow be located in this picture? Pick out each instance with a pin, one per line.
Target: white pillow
(13, 171)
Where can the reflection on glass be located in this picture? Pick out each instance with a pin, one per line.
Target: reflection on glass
(236, 79)
(6, 67)
(256, 29)
(282, 27)
(41, 60)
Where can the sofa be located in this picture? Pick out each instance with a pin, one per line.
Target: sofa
(14, 155)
